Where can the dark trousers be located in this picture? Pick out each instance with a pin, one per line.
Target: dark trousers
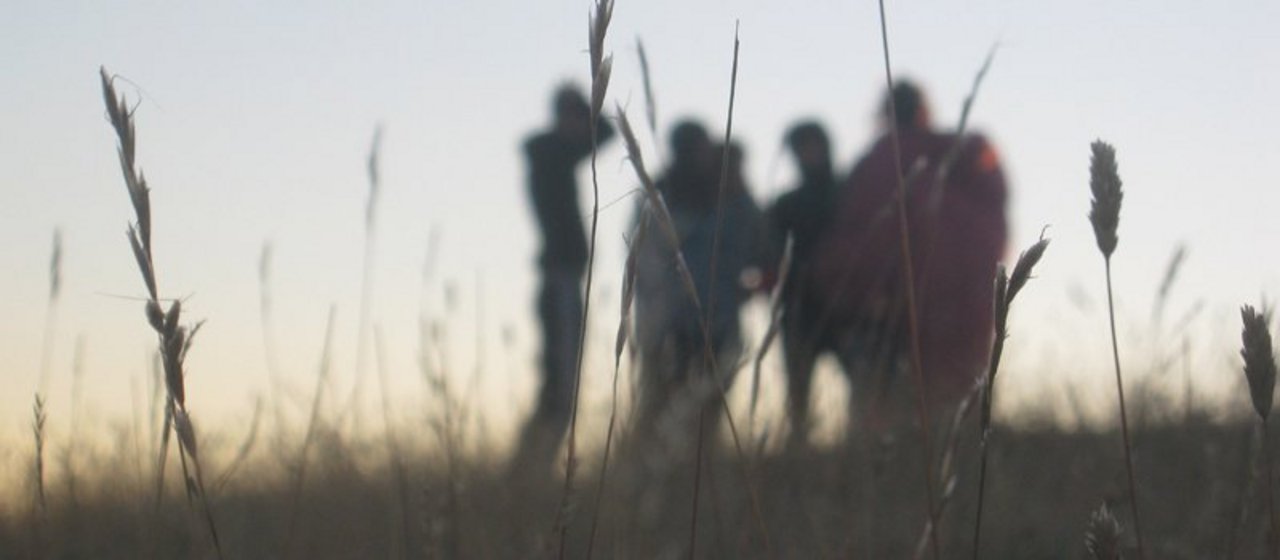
(867, 349)
(560, 315)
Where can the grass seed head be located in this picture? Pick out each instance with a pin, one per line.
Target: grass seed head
(597, 26)
(373, 169)
(38, 418)
(600, 85)
(171, 318)
(1104, 181)
(633, 147)
(629, 286)
(650, 105)
(1022, 269)
(155, 316)
(1259, 361)
(657, 204)
(1102, 537)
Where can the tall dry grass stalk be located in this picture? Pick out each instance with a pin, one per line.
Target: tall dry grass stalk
(42, 383)
(243, 451)
(1167, 281)
(39, 505)
(73, 436)
(175, 339)
(38, 418)
(966, 108)
(46, 358)
(709, 352)
(1252, 441)
(913, 323)
(1260, 371)
(395, 453)
(1006, 288)
(651, 118)
(448, 432)
(50, 312)
(308, 438)
(366, 275)
(267, 319)
(948, 472)
(650, 103)
(601, 69)
(1104, 214)
(620, 341)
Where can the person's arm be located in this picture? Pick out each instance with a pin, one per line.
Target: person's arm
(775, 230)
(604, 131)
(581, 145)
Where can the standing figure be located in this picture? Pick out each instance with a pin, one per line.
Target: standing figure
(955, 219)
(553, 157)
(681, 332)
(804, 215)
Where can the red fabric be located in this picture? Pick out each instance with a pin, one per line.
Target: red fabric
(957, 229)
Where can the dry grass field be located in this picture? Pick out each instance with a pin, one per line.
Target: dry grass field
(1165, 480)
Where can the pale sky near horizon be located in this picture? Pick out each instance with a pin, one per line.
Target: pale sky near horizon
(254, 122)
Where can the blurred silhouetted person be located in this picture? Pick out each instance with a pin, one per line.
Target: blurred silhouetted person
(804, 214)
(676, 381)
(660, 293)
(552, 160)
(956, 198)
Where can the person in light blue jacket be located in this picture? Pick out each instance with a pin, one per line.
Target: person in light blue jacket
(681, 337)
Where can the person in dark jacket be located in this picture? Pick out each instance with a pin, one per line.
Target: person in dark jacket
(552, 159)
(955, 218)
(804, 215)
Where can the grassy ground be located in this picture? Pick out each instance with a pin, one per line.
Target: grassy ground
(1199, 494)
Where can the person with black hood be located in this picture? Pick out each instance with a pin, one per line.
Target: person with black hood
(552, 158)
(804, 215)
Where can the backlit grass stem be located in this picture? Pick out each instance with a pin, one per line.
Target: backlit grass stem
(1006, 288)
(913, 324)
(174, 338)
(1104, 214)
(1260, 372)
(601, 68)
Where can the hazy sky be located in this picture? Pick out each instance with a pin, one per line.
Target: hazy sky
(254, 120)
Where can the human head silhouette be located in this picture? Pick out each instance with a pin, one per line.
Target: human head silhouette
(571, 111)
(808, 142)
(909, 107)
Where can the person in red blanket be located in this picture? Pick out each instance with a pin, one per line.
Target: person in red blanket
(955, 211)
